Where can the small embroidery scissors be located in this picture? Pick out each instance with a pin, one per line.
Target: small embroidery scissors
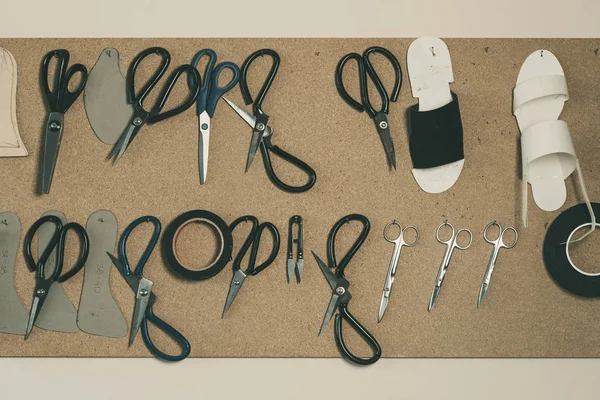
(206, 103)
(340, 296)
(451, 244)
(261, 132)
(398, 242)
(379, 117)
(59, 101)
(295, 266)
(140, 115)
(144, 296)
(43, 283)
(498, 244)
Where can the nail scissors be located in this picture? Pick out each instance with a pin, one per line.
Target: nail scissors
(140, 116)
(398, 242)
(451, 244)
(262, 133)
(379, 117)
(206, 103)
(252, 240)
(144, 296)
(59, 100)
(498, 243)
(43, 283)
(340, 296)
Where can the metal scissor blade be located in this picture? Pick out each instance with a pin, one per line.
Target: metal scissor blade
(140, 307)
(382, 307)
(236, 283)
(35, 310)
(254, 143)
(131, 279)
(385, 296)
(291, 268)
(119, 148)
(299, 269)
(482, 292)
(203, 141)
(53, 136)
(383, 129)
(333, 304)
(246, 116)
(434, 296)
(329, 275)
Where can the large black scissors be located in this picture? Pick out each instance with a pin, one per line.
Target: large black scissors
(379, 117)
(340, 297)
(140, 115)
(144, 296)
(57, 241)
(262, 133)
(251, 243)
(59, 100)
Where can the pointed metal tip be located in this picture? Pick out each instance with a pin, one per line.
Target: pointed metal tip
(130, 343)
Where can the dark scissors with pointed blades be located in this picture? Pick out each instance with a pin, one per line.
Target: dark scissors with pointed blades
(59, 100)
(379, 117)
(140, 115)
(251, 243)
(44, 283)
(262, 133)
(144, 296)
(340, 297)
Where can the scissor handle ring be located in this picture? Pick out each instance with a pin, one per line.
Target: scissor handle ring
(485, 230)
(414, 243)
(385, 230)
(437, 232)
(511, 245)
(456, 244)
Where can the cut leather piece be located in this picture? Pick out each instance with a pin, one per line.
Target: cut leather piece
(13, 315)
(430, 74)
(105, 98)
(57, 314)
(98, 314)
(11, 144)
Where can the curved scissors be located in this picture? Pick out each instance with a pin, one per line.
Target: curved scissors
(398, 242)
(59, 100)
(451, 244)
(498, 244)
(140, 115)
(144, 296)
(262, 133)
(341, 296)
(206, 103)
(252, 240)
(379, 117)
(57, 241)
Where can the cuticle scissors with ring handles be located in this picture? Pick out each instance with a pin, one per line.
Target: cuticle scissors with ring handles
(206, 103)
(262, 133)
(140, 116)
(59, 101)
(498, 244)
(379, 117)
(451, 244)
(398, 242)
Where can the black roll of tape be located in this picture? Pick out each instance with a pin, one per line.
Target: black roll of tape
(555, 252)
(170, 238)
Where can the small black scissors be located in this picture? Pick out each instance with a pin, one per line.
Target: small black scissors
(262, 133)
(253, 239)
(340, 296)
(144, 296)
(43, 284)
(379, 117)
(59, 101)
(140, 115)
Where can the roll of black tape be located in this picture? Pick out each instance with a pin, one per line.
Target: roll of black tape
(556, 259)
(170, 244)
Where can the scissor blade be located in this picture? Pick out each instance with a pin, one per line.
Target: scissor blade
(329, 275)
(236, 283)
(482, 292)
(291, 268)
(254, 143)
(299, 269)
(434, 296)
(333, 304)
(203, 140)
(131, 279)
(53, 136)
(35, 310)
(382, 307)
(388, 146)
(120, 147)
(246, 116)
(140, 307)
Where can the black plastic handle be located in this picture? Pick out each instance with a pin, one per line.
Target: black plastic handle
(170, 331)
(339, 80)
(193, 79)
(385, 98)
(364, 334)
(252, 242)
(266, 147)
(331, 258)
(257, 103)
(61, 98)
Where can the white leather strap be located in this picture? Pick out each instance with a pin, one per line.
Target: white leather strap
(549, 137)
(542, 86)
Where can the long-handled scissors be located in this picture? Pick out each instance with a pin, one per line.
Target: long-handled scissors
(252, 240)
(262, 133)
(206, 103)
(43, 283)
(379, 117)
(398, 242)
(144, 296)
(340, 297)
(451, 244)
(59, 100)
(140, 115)
(498, 244)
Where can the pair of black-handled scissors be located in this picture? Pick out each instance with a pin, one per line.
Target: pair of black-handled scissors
(140, 115)
(57, 242)
(59, 99)
(379, 117)
(251, 243)
(262, 133)
(144, 296)
(340, 296)
(206, 103)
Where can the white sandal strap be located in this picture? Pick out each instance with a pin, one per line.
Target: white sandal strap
(549, 137)
(550, 85)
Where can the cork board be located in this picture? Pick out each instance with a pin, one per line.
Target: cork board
(524, 314)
